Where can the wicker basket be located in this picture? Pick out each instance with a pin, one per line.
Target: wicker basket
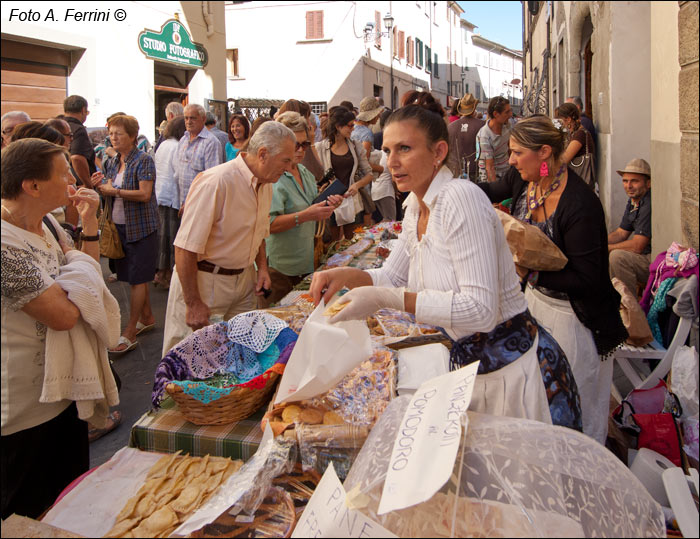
(237, 405)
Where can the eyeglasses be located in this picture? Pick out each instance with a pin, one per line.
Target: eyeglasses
(303, 145)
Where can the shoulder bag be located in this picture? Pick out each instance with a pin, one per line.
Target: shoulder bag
(584, 166)
(110, 244)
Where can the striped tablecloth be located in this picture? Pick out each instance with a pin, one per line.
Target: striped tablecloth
(166, 431)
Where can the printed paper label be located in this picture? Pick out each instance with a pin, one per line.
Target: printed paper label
(326, 514)
(427, 442)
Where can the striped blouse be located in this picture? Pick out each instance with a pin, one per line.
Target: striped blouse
(462, 269)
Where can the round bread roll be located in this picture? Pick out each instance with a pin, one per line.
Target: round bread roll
(291, 413)
(311, 416)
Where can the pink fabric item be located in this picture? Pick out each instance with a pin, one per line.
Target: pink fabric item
(683, 265)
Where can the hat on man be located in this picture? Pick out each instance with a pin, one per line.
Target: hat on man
(467, 105)
(369, 109)
(636, 166)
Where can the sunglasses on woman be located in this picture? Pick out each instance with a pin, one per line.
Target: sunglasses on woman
(303, 145)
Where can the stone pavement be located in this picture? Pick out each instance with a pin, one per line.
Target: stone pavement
(135, 368)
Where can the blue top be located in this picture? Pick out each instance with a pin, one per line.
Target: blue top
(231, 152)
(362, 133)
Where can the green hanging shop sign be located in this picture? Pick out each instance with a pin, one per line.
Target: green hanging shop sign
(173, 44)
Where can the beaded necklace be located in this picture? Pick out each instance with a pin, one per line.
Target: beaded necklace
(532, 202)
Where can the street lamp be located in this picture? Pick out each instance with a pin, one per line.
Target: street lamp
(371, 34)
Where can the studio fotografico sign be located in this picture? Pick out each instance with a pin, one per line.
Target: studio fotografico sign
(173, 44)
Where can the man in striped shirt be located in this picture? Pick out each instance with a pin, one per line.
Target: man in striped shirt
(493, 141)
(197, 151)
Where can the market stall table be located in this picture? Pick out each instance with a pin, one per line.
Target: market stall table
(167, 431)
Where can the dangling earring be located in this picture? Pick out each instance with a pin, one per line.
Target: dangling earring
(544, 170)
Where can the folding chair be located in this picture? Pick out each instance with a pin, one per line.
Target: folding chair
(626, 355)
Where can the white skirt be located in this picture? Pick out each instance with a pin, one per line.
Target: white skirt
(593, 376)
(515, 390)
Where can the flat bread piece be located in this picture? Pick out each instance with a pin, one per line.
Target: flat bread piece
(335, 308)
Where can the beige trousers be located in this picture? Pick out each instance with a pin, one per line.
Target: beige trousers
(226, 296)
(631, 268)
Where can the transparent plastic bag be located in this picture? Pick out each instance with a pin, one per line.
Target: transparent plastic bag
(332, 427)
(393, 323)
(512, 478)
(294, 315)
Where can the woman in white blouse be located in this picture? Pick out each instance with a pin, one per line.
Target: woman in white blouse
(452, 268)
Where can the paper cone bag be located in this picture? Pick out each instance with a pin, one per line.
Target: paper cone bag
(322, 355)
(531, 248)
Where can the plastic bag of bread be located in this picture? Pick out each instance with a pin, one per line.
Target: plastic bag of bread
(530, 247)
(511, 478)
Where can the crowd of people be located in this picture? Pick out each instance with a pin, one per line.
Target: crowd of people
(227, 222)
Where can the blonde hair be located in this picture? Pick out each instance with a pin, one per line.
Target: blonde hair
(295, 121)
(535, 132)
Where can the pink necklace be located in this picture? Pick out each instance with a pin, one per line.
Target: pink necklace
(533, 202)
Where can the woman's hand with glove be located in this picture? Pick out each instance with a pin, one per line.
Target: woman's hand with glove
(364, 301)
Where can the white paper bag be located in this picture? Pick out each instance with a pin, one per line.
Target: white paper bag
(345, 213)
(322, 355)
(420, 363)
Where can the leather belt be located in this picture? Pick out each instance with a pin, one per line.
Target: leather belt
(203, 265)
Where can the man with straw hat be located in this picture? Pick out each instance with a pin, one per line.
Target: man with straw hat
(630, 245)
(462, 133)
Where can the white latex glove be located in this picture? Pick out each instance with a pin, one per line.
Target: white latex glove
(367, 300)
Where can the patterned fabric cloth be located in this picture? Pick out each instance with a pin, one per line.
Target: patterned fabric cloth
(658, 306)
(166, 431)
(209, 351)
(255, 330)
(661, 269)
(141, 217)
(506, 343)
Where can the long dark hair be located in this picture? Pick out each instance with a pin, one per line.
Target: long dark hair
(338, 117)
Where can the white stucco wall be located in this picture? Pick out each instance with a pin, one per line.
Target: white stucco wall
(113, 74)
(277, 62)
(630, 89)
(665, 132)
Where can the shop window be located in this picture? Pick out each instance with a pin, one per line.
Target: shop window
(314, 25)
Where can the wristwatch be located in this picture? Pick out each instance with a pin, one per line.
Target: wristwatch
(96, 237)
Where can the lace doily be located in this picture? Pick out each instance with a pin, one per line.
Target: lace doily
(255, 330)
(206, 350)
(518, 478)
(202, 391)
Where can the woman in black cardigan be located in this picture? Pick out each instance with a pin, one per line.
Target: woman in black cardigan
(578, 303)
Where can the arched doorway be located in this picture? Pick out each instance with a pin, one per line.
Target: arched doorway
(586, 62)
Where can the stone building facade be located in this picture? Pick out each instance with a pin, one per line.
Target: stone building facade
(635, 66)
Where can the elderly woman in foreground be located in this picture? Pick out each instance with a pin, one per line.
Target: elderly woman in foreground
(44, 444)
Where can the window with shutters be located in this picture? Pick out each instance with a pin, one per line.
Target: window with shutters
(428, 60)
(314, 25)
(419, 53)
(378, 29)
(395, 38)
(435, 66)
(232, 62)
(402, 45)
(409, 50)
